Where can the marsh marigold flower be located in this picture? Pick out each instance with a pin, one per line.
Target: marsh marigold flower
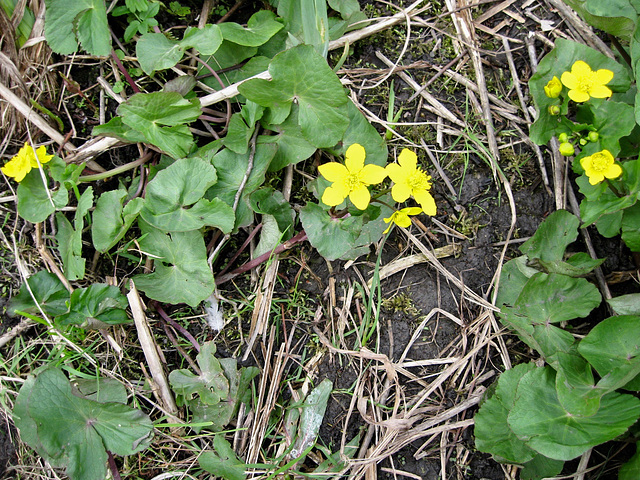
(583, 83)
(351, 179)
(24, 161)
(600, 165)
(401, 217)
(553, 88)
(411, 181)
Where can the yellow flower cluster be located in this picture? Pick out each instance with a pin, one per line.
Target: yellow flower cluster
(25, 160)
(582, 82)
(354, 177)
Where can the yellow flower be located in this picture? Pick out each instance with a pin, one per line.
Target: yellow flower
(600, 165)
(584, 83)
(351, 179)
(409, 180)
(553, 88)
(24, 161)
(401, 217)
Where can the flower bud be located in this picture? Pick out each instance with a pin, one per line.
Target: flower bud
(553, 88)
(583, 142)
(593, 136)
(563, 137)
(553, 110)
(566, 149)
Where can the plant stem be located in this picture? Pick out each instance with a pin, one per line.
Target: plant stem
(613, 188)
(300, 237)
(116, 171)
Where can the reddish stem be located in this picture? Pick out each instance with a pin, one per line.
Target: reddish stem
(300, 237)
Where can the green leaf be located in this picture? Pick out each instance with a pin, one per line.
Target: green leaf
(361, 131)
(617, 17)
(292, 147)
(612, 347)
(260, 28)
(49, 292)
(626, 304)
(157, 52)
(609, 225)
(102, 390)
(69, 238)
(181, 274)
(552, 237)
(541, 467)
(300, 74)
(162, 117)
(71, 21)
(75, 432)
(111, 220)
(214, 395)
(34, 205)
(612, 121)
(210, 386)
(179, 186)
(631, 227)
(538, 418)
(547, 299)
(223, 463)
(311, 417)
(268, 201)
(115, 128)
(578, 265)
(577, 392)
(515, 274)
(631, 469)
(96, 306)
(332, 237)
(306, 22)
(555, 298)
(231, 168)
(491, 431)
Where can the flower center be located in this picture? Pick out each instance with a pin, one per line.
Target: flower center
(353, 181)
(585, 82)
(599, 162)
(419, 180)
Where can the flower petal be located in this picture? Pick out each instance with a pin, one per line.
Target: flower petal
(400, 192)
(412, 210)
(354, 158)
(600, 91)
(397, 173)
(427, 202)
(578, 96)
(373, 174)
(333, 196)
(614, 171)
(333, 171)
(569, 80)
(408, 159)
(595, 178)
(402, 219)
(360, 197)
(16, 169)
(581, 68)
(42, 154)
(604, 76)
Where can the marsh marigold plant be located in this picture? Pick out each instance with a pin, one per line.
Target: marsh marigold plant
(24, 161)
(351, 179)
(584, 83)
